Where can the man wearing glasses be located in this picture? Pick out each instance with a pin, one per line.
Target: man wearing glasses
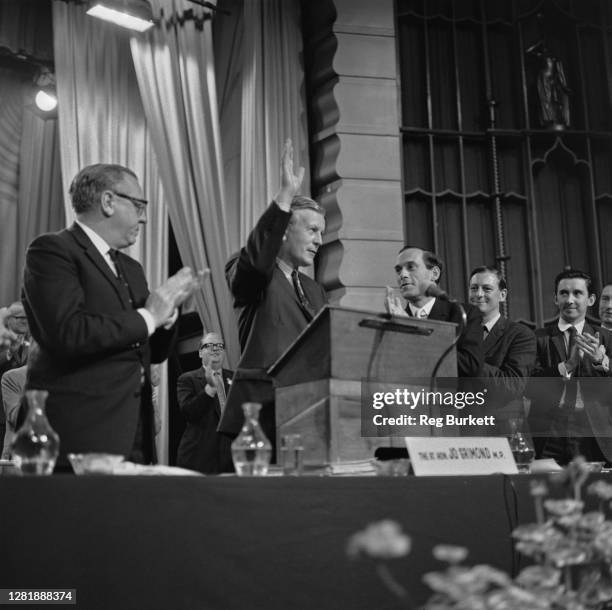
(16, 353)
(202, 396)
(97, 325)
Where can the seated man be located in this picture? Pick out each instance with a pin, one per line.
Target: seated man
(12, 385)
(509, 348)
(16, 354)
(570, 408)
(201, 397)
(605, 307)
(418, 272)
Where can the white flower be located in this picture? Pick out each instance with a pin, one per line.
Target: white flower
(380, 540)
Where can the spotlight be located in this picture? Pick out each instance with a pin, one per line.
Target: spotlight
(46, 94)
(46, 99)
(132, 14)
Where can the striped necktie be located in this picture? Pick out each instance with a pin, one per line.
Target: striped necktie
(305, 304)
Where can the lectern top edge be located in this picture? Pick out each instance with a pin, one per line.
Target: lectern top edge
(327, 311)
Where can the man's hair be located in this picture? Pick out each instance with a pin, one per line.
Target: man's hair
(501, 282)
(92, 181)
(431, 259)
(575, 274)
(301, 202)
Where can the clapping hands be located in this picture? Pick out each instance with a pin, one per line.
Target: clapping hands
(163, 301)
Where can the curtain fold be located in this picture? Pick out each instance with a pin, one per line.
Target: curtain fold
(102, 120)
(30, 192)
(273, 103)
(175, 69)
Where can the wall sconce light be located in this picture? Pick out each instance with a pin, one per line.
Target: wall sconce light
(46, 99)
(46, 96)
(132, 14)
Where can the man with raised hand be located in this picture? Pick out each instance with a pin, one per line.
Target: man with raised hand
(274, 301)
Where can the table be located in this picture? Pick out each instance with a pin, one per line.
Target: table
(200, 543)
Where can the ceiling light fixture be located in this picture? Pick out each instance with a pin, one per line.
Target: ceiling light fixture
(132, 14)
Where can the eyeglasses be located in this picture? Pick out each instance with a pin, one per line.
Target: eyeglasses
(139, 204)
(213, 346)
(19, 317)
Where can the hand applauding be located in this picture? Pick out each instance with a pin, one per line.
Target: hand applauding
(393, 304)
(163, 301)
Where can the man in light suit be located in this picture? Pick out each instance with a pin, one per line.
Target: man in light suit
(571, 407)
(417, 272)
(273, 300)
(97, 325)
(202, 395)
(509, 347)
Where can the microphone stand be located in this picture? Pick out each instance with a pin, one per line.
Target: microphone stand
(442, 295)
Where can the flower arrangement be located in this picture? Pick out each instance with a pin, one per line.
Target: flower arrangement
(571, 553)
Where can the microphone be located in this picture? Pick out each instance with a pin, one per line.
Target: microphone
(433, 290)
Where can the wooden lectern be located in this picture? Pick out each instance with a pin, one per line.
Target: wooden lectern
(318, 379)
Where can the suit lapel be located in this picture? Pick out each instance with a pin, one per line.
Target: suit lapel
(96, 258)
(556, 338)
(497, 332)
(439, 311)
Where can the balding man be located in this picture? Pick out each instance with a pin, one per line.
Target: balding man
(16, 354)
(202, 395)
(97, 325)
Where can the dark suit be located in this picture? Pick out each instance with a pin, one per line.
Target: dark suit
(202, 448)
(94, 350)
(469, 346)
(548, 421)
(269, 318)
(509, 354)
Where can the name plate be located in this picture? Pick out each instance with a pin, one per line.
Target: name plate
(438, 456)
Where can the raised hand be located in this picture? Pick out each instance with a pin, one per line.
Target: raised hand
(393, 304)
(290, 182)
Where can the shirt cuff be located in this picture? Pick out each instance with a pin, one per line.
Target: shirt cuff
(147, 316)
(212, 392)
(604, 365)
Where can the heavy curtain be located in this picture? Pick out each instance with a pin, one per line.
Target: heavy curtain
(174, 67)
(261, 78)
(102, 121)
(30, 188)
